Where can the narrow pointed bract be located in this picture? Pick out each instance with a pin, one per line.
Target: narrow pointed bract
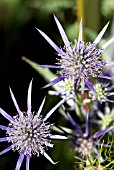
(75, 85)
(51, 42)
(80, 35)
(6, 115)
(58, 79)
(4, 127)
(27, 162)
(52, 110)
(63, 34)
(15, 103)
(49, 66)
(105, 77)
(20, 160)
(108, 43)
(96, 41)
(29, 98)
(57, 137)
(89, 84)
(109, 63)
(3, 139)
(41, 106)
(6, 150)
(101, 133)
(74, 124)
(49, 159)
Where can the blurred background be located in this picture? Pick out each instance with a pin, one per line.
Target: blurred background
(18, 37)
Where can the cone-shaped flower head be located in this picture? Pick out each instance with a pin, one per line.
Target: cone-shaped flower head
(28, 133)
(80, 60)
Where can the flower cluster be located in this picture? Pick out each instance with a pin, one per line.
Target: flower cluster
(78, 65)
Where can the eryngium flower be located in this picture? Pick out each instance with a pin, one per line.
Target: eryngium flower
(84, 144)
(28, 132)
(80, 60)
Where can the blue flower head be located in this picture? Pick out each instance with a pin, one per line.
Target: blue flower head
(79, 61)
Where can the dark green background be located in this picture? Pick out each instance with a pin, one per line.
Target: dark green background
(18, 37)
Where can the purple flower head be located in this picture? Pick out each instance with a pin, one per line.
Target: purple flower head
(28, 133)
(80, 60)
(84, 144)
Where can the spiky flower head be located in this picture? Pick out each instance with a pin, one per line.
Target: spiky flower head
(80, 60)
(83, 143)
(28, 133)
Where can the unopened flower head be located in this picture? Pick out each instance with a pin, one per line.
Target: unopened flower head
(28, 132)
(80, 60)
(65, 89)
(103, 92)
(69, 88)
(107, 117)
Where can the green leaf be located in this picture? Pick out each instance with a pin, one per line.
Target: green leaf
(44, 72)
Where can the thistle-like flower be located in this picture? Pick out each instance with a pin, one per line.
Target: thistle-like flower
(80, 60)
(84, 144)
(28, 133)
